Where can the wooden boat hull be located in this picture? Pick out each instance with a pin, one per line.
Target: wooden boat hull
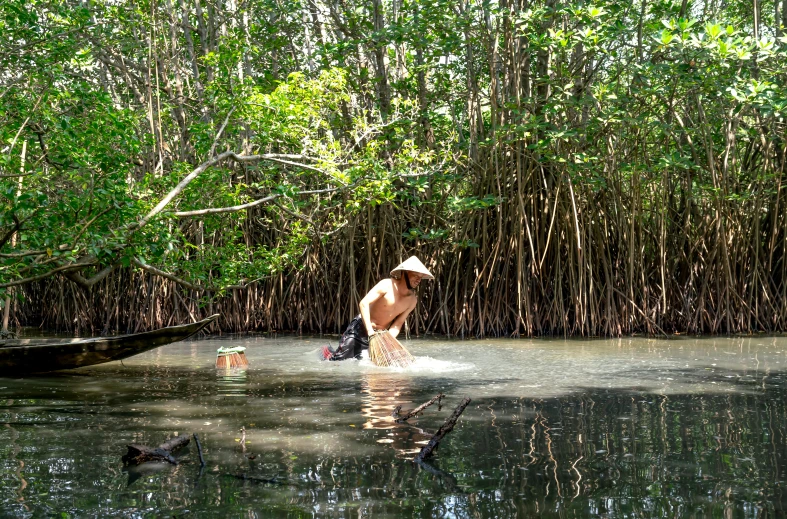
(24, 356)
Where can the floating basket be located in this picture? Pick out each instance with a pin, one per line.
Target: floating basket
(234, 357)
(385, 350)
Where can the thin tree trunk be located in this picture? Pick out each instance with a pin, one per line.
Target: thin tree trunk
(379, 52)
(7, 307)
(423, 104)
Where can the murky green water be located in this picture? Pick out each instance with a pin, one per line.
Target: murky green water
(623, 428)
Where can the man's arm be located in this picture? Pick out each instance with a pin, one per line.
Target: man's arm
(401, 318)
(374, 294)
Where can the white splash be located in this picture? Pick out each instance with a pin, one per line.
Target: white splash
(421, 365)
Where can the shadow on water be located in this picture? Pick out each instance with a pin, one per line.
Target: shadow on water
(332, 450)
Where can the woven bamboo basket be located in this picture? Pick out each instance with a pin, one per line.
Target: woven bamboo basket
(231, 358)
(385, 350)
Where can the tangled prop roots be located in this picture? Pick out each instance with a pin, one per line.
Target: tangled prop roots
(385, 350)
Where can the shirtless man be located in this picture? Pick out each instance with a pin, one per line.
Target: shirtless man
(386, 306)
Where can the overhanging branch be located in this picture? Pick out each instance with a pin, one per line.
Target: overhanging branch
(166, 275)
(273, 157)
(235, 208)
(62, 268)
(86, 283)
(153, 270)
(232, 209)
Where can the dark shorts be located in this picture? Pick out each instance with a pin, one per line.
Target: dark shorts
(354, 340)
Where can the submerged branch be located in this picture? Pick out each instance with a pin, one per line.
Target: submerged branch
(199, 450)
(418, 410)
(444, 429)
(141, 453)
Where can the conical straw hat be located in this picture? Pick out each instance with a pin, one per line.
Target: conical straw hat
(412, 264)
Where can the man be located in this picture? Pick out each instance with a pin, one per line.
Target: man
(386, 306)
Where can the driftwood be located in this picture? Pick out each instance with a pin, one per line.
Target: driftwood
(418, 410)
(142, 453)
(442, 431)
(199, 450)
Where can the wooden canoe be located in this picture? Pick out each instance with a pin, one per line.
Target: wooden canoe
(23, 356)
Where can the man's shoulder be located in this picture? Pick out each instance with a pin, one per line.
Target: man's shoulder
(385, 285)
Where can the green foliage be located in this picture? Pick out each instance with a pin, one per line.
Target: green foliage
(458, 117)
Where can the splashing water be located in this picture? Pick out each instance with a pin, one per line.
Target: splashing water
(421, 365)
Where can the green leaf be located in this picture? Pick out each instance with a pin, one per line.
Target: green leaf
(595, 11)
(666, 37)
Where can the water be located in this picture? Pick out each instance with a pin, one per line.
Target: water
(604, 428)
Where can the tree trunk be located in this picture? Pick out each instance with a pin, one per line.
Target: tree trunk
(379, 53)
(423, 104)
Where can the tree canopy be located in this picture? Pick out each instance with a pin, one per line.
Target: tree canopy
(591, 168)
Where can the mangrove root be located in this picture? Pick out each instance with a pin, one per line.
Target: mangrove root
(444, 429)
(418, 410)
(141, 453)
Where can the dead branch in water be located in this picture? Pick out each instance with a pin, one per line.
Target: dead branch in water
(138, 454)
(199, 450)
(446, 428)
(418, 410)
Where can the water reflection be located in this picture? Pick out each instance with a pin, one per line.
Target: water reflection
(17, 465)
(381, 393)
(231, 382)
